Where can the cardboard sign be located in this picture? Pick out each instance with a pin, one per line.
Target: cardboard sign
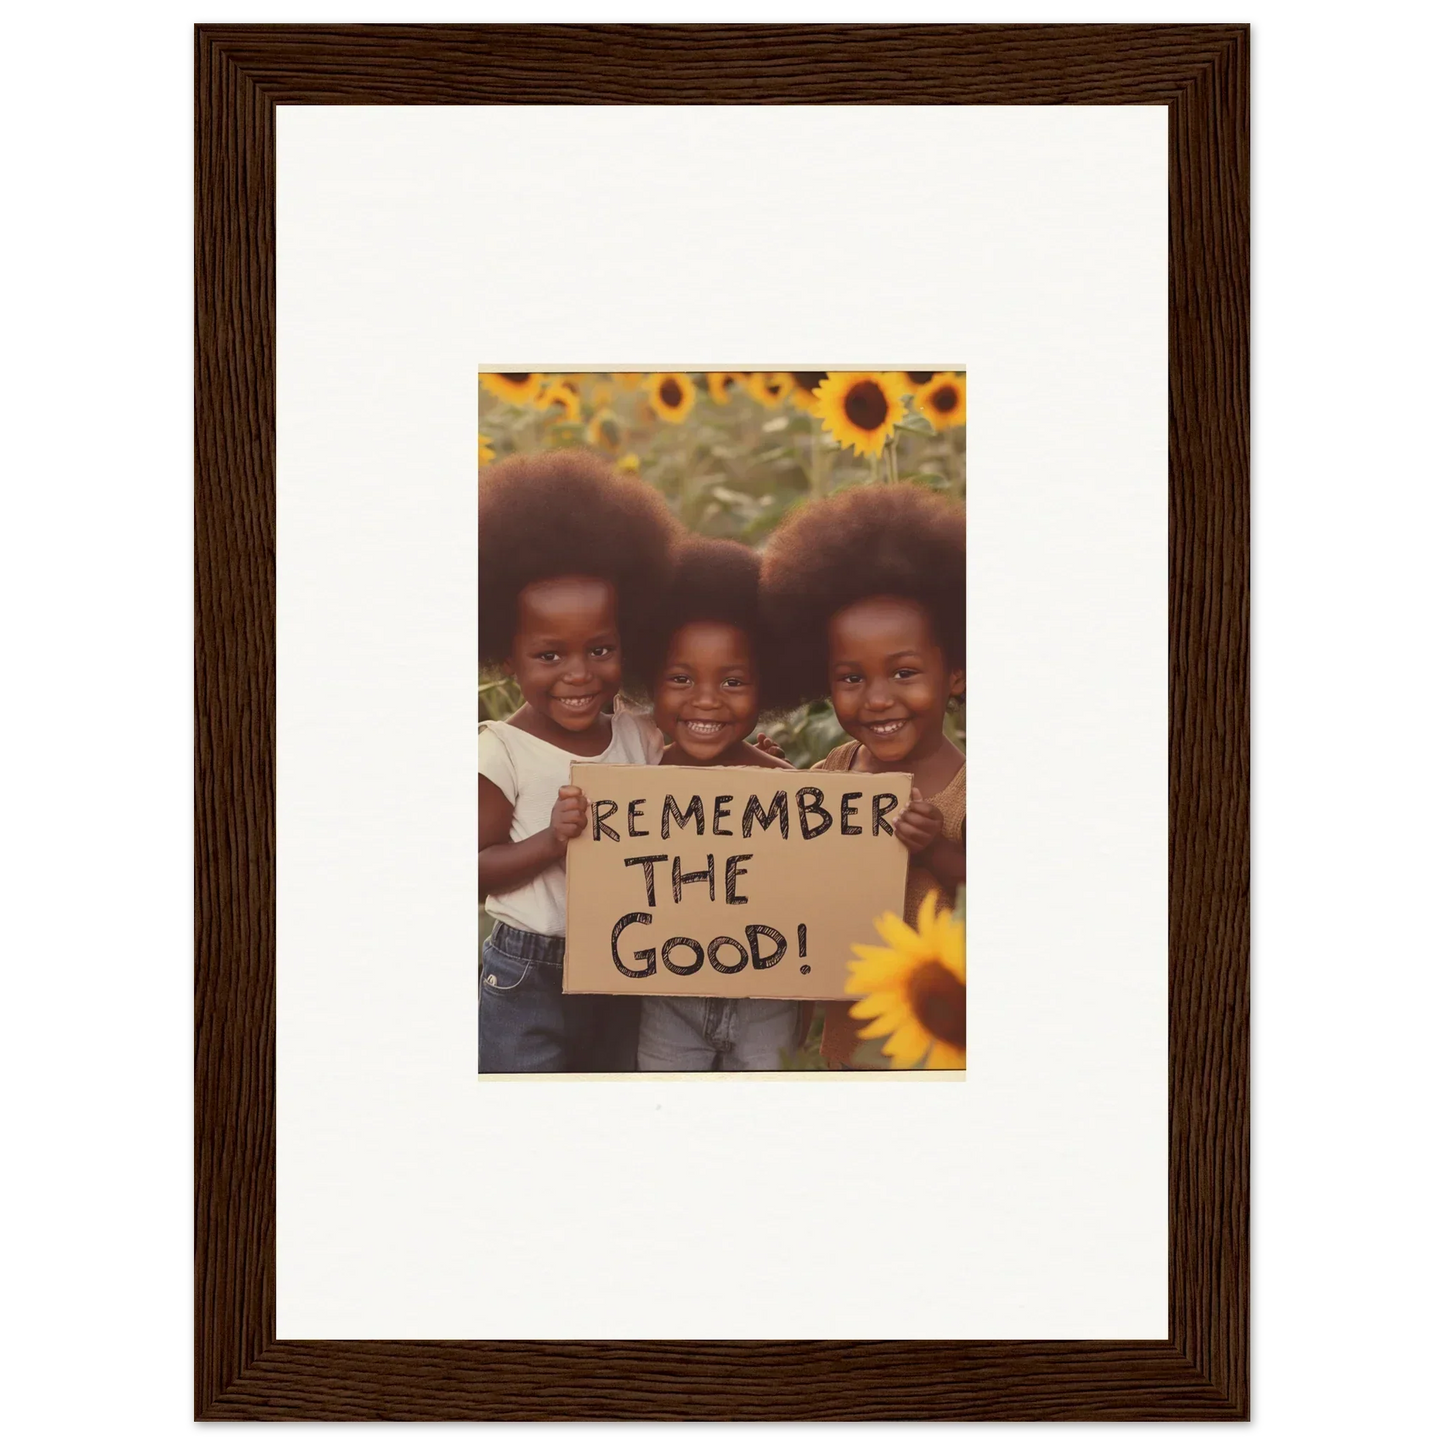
(729, 882)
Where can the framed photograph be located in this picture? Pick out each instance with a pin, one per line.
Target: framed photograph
(693, 588)
(681, 1109)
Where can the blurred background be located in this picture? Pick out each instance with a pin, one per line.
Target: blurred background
(732, 452)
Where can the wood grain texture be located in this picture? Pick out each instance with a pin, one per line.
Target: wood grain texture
(242, 74)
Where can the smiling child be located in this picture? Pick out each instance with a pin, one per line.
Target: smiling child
(711, 677)
(572, 556)
(870, 587)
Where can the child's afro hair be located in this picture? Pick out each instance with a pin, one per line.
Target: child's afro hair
(890, 539)
(567, 514)
(712, 579)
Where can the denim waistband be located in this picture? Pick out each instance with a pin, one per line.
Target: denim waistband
(533, 947)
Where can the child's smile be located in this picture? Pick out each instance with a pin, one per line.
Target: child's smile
(889, 680)
(566, 655)
(706, 698)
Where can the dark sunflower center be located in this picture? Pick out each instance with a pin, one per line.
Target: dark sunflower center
(939, 1002)
(865, 405)
(945, 399)
(516, 377)
(670, 392)
(808, 380)
(919, 378)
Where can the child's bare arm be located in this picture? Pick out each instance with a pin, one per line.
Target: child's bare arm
(946, 859)
(503, 864)
(920, 830)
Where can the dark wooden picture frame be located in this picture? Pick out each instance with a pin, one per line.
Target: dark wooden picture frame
(242, 74)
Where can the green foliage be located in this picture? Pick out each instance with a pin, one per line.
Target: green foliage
(807, 734)
(809, 1055)
(497, 698)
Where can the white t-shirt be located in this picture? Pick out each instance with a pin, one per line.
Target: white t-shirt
(529, 772)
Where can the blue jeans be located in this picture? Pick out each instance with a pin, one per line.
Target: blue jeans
(683, 1035)
(527, 1025)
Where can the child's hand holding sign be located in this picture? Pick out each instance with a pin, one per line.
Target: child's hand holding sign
(919, 824)
(569, 817)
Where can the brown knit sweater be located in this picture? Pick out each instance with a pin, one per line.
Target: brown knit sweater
(841, 1044)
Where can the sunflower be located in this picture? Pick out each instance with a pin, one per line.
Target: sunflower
(720, 385)
(671, 394)
(805, 386)
(563, 394)
(521, 388)
(916, 380)
(860, 408)
(770, 387)
(915, 989)
(629, 463)
(604, 431)
(943, 401)
(485, 453)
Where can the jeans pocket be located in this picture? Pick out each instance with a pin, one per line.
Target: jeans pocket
(501, 972)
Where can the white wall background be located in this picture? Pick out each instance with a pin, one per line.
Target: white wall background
(414, 1200)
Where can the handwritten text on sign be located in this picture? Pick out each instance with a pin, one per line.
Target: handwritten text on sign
(729, 882)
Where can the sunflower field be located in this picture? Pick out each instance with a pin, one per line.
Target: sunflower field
(732, 451)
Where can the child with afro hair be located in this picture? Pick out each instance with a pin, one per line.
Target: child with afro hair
(711, 674)
(572, 556)
(869, 587)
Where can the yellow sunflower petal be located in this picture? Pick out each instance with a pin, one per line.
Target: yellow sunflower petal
(604, 431)
(564, 395)
(879, 977)
(884, 1024)
(721, 385)
(944, 401)
(927, 912)
(945, 938)
(951, 954)
(861, 409)
(945, 1056)
(874, 952)
(521, 388)
(771, 388)
(805, 386)
(915, 380)
(484, 450)
(671, 395)
(908, 1045)
(879, 1005)
(901, 936)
